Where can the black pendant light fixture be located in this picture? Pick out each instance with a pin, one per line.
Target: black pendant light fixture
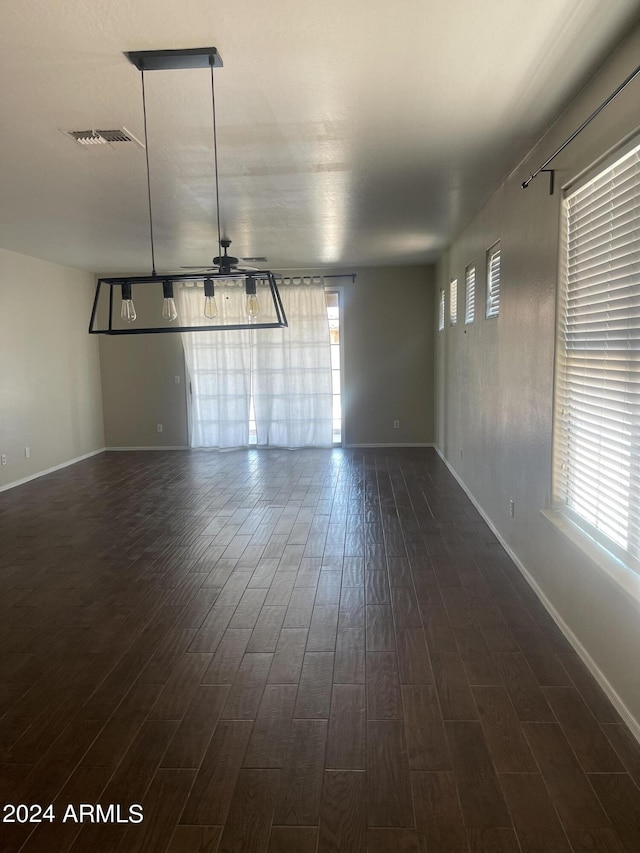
(226, 267)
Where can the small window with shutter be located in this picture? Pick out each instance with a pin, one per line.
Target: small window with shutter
(470, 294)
(493, 281)
(453, 301)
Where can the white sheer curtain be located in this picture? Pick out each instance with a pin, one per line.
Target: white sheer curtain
(292, 392)
(219, 365)
(286, 372)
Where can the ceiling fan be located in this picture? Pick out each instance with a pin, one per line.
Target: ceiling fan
(226, 264)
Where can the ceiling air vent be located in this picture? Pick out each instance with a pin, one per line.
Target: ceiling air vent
(114, 138)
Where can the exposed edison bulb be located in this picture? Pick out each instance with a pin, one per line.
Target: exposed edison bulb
(127, 310)
(210, 307)
(253, 306)
(210, 304)
(169, 310)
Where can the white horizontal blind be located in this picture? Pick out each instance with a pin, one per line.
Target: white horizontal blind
(597, 432)
(441, 310)
(470, 294)
(493, 281)
(453, 301)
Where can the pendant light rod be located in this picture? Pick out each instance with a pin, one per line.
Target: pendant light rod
(215, 152)
(584, 124)
(172, 60)
(146, 151)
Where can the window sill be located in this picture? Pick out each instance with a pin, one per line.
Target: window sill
(626, 578)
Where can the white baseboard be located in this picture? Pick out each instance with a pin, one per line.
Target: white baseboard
(51, 470)
(583, 654)
(255, 447)
(393, 444)
(167, 447)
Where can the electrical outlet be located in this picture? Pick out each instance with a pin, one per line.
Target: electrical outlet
(3, 459)
(27, 452)
(176, 380)
(512, 508)
(158, 427)
(396, 424)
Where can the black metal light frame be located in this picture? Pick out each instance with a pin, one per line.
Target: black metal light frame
(167, 60)
(158, 280)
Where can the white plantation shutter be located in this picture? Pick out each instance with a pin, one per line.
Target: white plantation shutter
(597, 434)
(441, 310)
(470, 294)
(493, 281)
(453, 301)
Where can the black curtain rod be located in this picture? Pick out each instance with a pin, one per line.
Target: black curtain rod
(584, 124)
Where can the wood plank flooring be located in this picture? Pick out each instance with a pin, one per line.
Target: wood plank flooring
(290, 652)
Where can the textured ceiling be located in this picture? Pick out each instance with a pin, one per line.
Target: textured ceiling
(349, 133)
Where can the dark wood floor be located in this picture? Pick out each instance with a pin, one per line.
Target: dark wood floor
(291, 652)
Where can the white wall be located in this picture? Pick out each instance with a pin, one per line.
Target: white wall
(139, 389)
(50, 392)
(495, 386)
(387, 324)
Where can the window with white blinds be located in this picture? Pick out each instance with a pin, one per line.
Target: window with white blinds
(441, 310)
(493, 281)
(470, 294)
(597, 423)
(453, 301)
